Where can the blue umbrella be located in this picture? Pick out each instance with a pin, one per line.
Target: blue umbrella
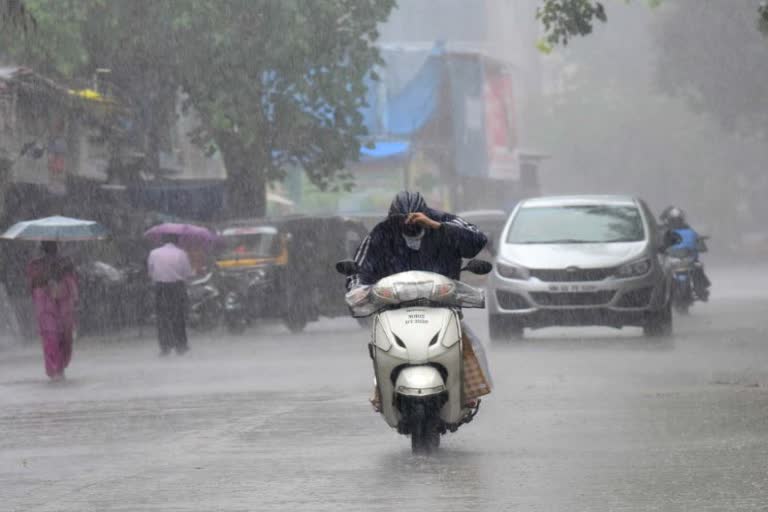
(56, 229)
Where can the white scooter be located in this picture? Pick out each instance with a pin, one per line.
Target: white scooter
(417, 349)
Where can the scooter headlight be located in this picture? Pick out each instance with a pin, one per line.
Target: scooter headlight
(634, 269)
(409, 291)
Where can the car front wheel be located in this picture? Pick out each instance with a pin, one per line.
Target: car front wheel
(659, 323)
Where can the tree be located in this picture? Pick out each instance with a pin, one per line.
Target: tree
(15, 14)
(76, 38)
(610, 129)
(277, 82)
(564, 19)
(280, 84)
(711, 55)
(762, 22)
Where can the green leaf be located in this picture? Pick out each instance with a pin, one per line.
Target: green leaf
(544, 47)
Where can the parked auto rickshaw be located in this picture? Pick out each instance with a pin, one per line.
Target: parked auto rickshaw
(283, 268)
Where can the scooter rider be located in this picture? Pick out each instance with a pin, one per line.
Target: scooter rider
(673, 218)
(416, 237)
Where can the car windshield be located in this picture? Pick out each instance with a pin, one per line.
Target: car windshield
(583, 224)
(259, 245)
(413, 288)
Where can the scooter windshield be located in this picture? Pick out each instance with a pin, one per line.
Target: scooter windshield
(413, 288)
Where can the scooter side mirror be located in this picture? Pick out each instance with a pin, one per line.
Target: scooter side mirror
(346, 267)
(478, 267)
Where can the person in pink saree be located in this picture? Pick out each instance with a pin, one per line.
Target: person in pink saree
(53, 282)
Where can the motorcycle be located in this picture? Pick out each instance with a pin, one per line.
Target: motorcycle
(417, 349)
(101, 295)
(113, 296)
(683, 264)
(241, 298)
(205, 308)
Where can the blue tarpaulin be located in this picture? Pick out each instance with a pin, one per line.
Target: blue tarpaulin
(395, 114)
(410, 109)
(385, 149)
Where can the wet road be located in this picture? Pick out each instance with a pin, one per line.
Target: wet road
(582, 420)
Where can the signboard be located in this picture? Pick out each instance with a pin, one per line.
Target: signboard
(468, 116)
(484, 119)
(500, 128)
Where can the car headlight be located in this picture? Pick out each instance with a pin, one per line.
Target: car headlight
(634, 269)
(511, 271)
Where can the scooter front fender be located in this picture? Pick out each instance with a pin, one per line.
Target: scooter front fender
(419, 381)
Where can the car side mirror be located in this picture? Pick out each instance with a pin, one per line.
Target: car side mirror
(347, 267)
(478, 267)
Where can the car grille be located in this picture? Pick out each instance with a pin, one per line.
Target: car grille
(636, 298)
(573, 275)
(511, 301)
(600, 298)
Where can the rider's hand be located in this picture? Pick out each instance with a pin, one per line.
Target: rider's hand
(421, 219)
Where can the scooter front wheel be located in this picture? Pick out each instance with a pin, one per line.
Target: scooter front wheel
(425, 438)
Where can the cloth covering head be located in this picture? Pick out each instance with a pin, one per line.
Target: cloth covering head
(404, 204)
(407, 202)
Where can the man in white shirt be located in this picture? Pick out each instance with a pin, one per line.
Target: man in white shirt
(169, 268)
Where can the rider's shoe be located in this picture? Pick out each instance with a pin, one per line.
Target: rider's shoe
(375, 400)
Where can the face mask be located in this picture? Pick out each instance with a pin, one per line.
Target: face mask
(414, 242)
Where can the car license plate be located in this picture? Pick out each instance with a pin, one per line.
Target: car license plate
(565, 288)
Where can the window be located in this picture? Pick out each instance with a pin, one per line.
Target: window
(577, 224)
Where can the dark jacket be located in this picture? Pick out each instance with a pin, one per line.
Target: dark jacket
(384, 251)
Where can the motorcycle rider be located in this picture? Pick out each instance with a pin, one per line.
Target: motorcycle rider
(673, 218)
(416, 237)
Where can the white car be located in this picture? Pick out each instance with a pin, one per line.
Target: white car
(581, 260)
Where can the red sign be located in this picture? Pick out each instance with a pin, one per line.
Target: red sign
(501, 133)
